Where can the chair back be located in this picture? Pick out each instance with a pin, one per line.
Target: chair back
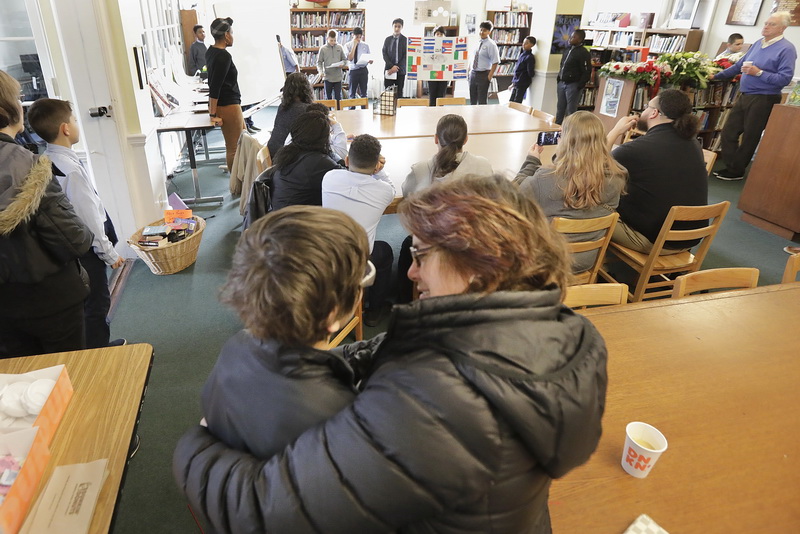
(353, 102)
(328, 103)
(403, 102)
(520, 107)
(263, 160)
(580, 226)
(539, 114)
(451, 101)
(710, 157)
(596, 295)
(731, 278)
(792, 268)
(357, 321)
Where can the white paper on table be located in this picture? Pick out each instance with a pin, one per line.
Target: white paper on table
(364, 59)
(388, 76)
(68, 501)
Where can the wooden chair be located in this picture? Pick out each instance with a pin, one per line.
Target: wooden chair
(353, 102)
(520, 107)
(710, 157)
(654, 265)
(539, 114)
(329, 103)
(730, 278)
(632, 134)
(357, 322)
(451, 101)
(579, 226)
(402, 102)
(792, 268)
(596, 295)
(263, 160)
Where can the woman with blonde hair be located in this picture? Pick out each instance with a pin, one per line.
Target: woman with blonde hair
(479, 394)
(585, 183)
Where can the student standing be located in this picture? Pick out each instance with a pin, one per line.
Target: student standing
(575, 71)
(766, 68)
(359, 74)
(524, 70)
(485, 62)
(197, 52)
(436, 89)
(329, 55)
(224, 98)
(54, 122)
(394, 52)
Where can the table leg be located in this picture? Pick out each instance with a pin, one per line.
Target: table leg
(198, 197)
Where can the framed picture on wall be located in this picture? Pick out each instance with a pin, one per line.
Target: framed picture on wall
(792, 6)
(565, 25)
(744, 12)
(683, 13)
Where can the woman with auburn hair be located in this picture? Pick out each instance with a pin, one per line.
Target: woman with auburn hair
(451, 161)
(585, 183)
(295, 99)
(480, 393)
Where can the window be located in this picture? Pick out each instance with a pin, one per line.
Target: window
(19, 55)
(162, 31)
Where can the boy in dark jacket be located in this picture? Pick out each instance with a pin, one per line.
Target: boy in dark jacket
(575, 71)
(296, 278)
(524, 71)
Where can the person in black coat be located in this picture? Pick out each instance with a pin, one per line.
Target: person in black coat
(480, 393)
(524, 70)
(575, 71)
(394, 52)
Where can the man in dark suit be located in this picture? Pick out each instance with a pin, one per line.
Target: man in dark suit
(394, 54)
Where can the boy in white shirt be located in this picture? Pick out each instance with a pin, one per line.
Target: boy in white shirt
(733, 52)
(54, 122)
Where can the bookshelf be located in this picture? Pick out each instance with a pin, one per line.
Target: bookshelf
(308, 28)
(712, 106)
(510, 30)
(661, 41)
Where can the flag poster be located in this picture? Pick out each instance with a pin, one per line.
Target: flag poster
(437, 58)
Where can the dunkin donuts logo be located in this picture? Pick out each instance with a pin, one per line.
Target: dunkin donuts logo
(637, 461)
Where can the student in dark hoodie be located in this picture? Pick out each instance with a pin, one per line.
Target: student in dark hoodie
(42, 284)
(524, 71)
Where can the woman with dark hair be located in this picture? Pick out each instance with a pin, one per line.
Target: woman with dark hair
(481, 393)
(437, 89)
(224, 98)
(298, 168)
(586, 181)
(42, 284)
(295, 99)
(451, 161)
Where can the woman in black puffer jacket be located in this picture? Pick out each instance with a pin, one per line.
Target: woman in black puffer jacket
(481, 393)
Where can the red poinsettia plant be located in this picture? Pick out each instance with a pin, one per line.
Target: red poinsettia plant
(725, 63)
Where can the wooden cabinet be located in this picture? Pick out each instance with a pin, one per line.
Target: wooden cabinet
(309, 28)
(510, 30)
(770, 199)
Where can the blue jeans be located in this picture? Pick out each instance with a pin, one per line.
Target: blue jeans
(568, 96)
(333, 88)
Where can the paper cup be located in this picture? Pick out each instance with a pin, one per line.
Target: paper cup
(644, 444)
(747, 64)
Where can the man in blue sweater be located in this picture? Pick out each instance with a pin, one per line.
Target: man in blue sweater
(767, 67)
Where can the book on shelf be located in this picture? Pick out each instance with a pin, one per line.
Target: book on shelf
(511, 20)
(341, 19)
(703, 115)
(641, 96)
(505, 36)
(660, 44)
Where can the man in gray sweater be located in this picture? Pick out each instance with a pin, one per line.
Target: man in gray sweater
(330, 62)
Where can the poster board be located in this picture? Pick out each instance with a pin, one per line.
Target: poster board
(622, 100)
(437, 58)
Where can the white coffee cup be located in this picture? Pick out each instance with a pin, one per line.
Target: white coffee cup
(747, 64)
(644, 444)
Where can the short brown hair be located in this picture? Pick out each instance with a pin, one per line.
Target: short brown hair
(292, 269)
(9, 100)
(46, 116)
(489, 233)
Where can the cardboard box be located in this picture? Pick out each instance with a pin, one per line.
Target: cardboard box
(29, 444)
(55, 406)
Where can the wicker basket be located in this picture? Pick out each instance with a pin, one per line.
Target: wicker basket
(172, 257)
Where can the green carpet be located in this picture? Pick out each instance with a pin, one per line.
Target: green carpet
(181, 317)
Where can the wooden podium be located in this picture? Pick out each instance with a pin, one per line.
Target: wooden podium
(770, 199)
(621, 91)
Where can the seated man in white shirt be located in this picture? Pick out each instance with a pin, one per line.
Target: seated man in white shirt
(363, 191)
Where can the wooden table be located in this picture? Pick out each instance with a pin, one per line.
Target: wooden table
(416, 121)
(718, 375)
(506, 152)
(101, 419)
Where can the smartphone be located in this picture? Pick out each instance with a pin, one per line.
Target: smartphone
(548, 138)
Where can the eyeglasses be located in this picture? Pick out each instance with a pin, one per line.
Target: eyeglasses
(369, 276)
(418, 253)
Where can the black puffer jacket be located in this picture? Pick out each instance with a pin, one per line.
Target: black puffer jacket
(300, 182)
(41, 238)
(474, 405)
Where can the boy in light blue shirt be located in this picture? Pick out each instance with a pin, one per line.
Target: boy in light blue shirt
(54, 121)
